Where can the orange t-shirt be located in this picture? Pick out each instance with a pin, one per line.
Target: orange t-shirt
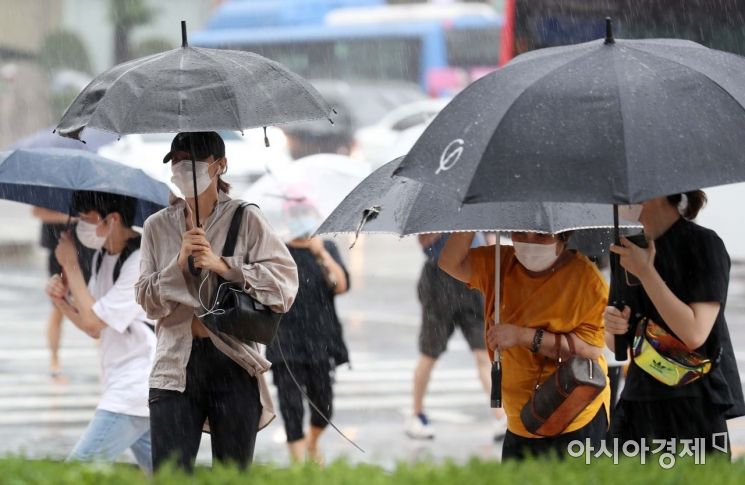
(571, 299)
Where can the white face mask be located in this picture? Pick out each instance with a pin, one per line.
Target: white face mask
(86, 233)
(183, 179)
(630, 213)
(536, 257)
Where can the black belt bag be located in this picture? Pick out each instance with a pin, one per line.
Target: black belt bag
(235, 312)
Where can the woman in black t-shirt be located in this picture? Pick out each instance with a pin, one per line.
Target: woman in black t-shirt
(683, 278)
(310, 337)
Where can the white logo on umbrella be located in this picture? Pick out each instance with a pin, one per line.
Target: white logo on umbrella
(450, 155)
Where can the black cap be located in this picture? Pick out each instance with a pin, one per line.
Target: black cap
(205, 143)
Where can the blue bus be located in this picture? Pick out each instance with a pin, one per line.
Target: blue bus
(440, 47)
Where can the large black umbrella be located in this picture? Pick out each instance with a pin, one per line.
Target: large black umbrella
(609, 121)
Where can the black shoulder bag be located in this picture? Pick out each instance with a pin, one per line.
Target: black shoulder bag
(234, 312)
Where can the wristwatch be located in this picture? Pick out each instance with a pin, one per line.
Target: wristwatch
(537, 339)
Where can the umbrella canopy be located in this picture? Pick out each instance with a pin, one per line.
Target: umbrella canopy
(386, 203)
(297, 197)
(46, 138)
(193, 89)
(47, 177)
(614, 121)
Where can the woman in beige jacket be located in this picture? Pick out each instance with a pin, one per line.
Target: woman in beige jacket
(199, 375)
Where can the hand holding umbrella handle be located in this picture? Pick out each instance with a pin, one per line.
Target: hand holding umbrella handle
(192, 268)
(496, 383)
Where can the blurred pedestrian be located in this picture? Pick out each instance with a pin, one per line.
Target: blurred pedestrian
(675, 309)
(311, 338)
(53, 224)
(199, 375)
(547, 291)
(446, 304)
(106, 310)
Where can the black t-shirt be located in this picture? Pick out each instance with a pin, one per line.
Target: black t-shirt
(311, 330)
(694, 263)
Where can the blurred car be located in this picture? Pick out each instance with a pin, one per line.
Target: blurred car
(247, 155)
(367, 102)
(393, 132)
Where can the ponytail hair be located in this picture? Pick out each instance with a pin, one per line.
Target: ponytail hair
(695, 200)
(223, 186)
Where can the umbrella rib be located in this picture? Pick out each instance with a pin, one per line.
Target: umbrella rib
(627, 172)
(577, 58)
(227, 86)
(154, 58)
(702, 74)
(304, 91)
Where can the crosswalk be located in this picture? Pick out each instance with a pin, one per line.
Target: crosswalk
(30, 397)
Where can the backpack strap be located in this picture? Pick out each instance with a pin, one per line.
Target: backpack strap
(133, 245)
(235, 225)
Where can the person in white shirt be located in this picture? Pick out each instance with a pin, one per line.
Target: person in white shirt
(105, 309)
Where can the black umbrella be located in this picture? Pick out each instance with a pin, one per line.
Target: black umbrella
(193, 89)
(388, 204)
(609, 121)
(385, 203)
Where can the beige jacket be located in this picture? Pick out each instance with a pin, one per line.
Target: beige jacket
(170, 296)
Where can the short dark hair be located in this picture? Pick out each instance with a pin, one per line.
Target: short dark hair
(695, 201)
(105, 204)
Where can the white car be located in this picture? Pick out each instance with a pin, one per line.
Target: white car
(374, 143)
(247, 155)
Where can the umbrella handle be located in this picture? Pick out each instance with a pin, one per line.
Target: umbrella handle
(496, 383)
(193, 269)
(620, 342)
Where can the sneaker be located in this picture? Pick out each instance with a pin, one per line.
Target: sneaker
(418, 427)
(500, 429)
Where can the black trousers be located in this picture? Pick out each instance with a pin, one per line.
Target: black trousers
(315, 378)
(681, 418)
(519, 448)
(217, 389)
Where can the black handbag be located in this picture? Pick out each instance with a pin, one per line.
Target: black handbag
(235, 312)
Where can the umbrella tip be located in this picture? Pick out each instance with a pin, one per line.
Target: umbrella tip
(609, 31)
(184, 43)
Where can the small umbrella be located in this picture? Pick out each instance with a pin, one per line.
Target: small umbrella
(297, 197)
(385, 203)
(193, 89)
(608, 121)
(47, 177)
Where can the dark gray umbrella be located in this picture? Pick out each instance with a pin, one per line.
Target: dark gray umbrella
(389, 204)
(386, 203)
(602, 122)
(193, 89)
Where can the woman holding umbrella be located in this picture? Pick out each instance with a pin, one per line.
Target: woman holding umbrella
(678, 306)
(199, 375)
(546, 290)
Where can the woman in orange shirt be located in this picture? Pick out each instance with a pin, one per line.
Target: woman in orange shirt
(546, 289)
